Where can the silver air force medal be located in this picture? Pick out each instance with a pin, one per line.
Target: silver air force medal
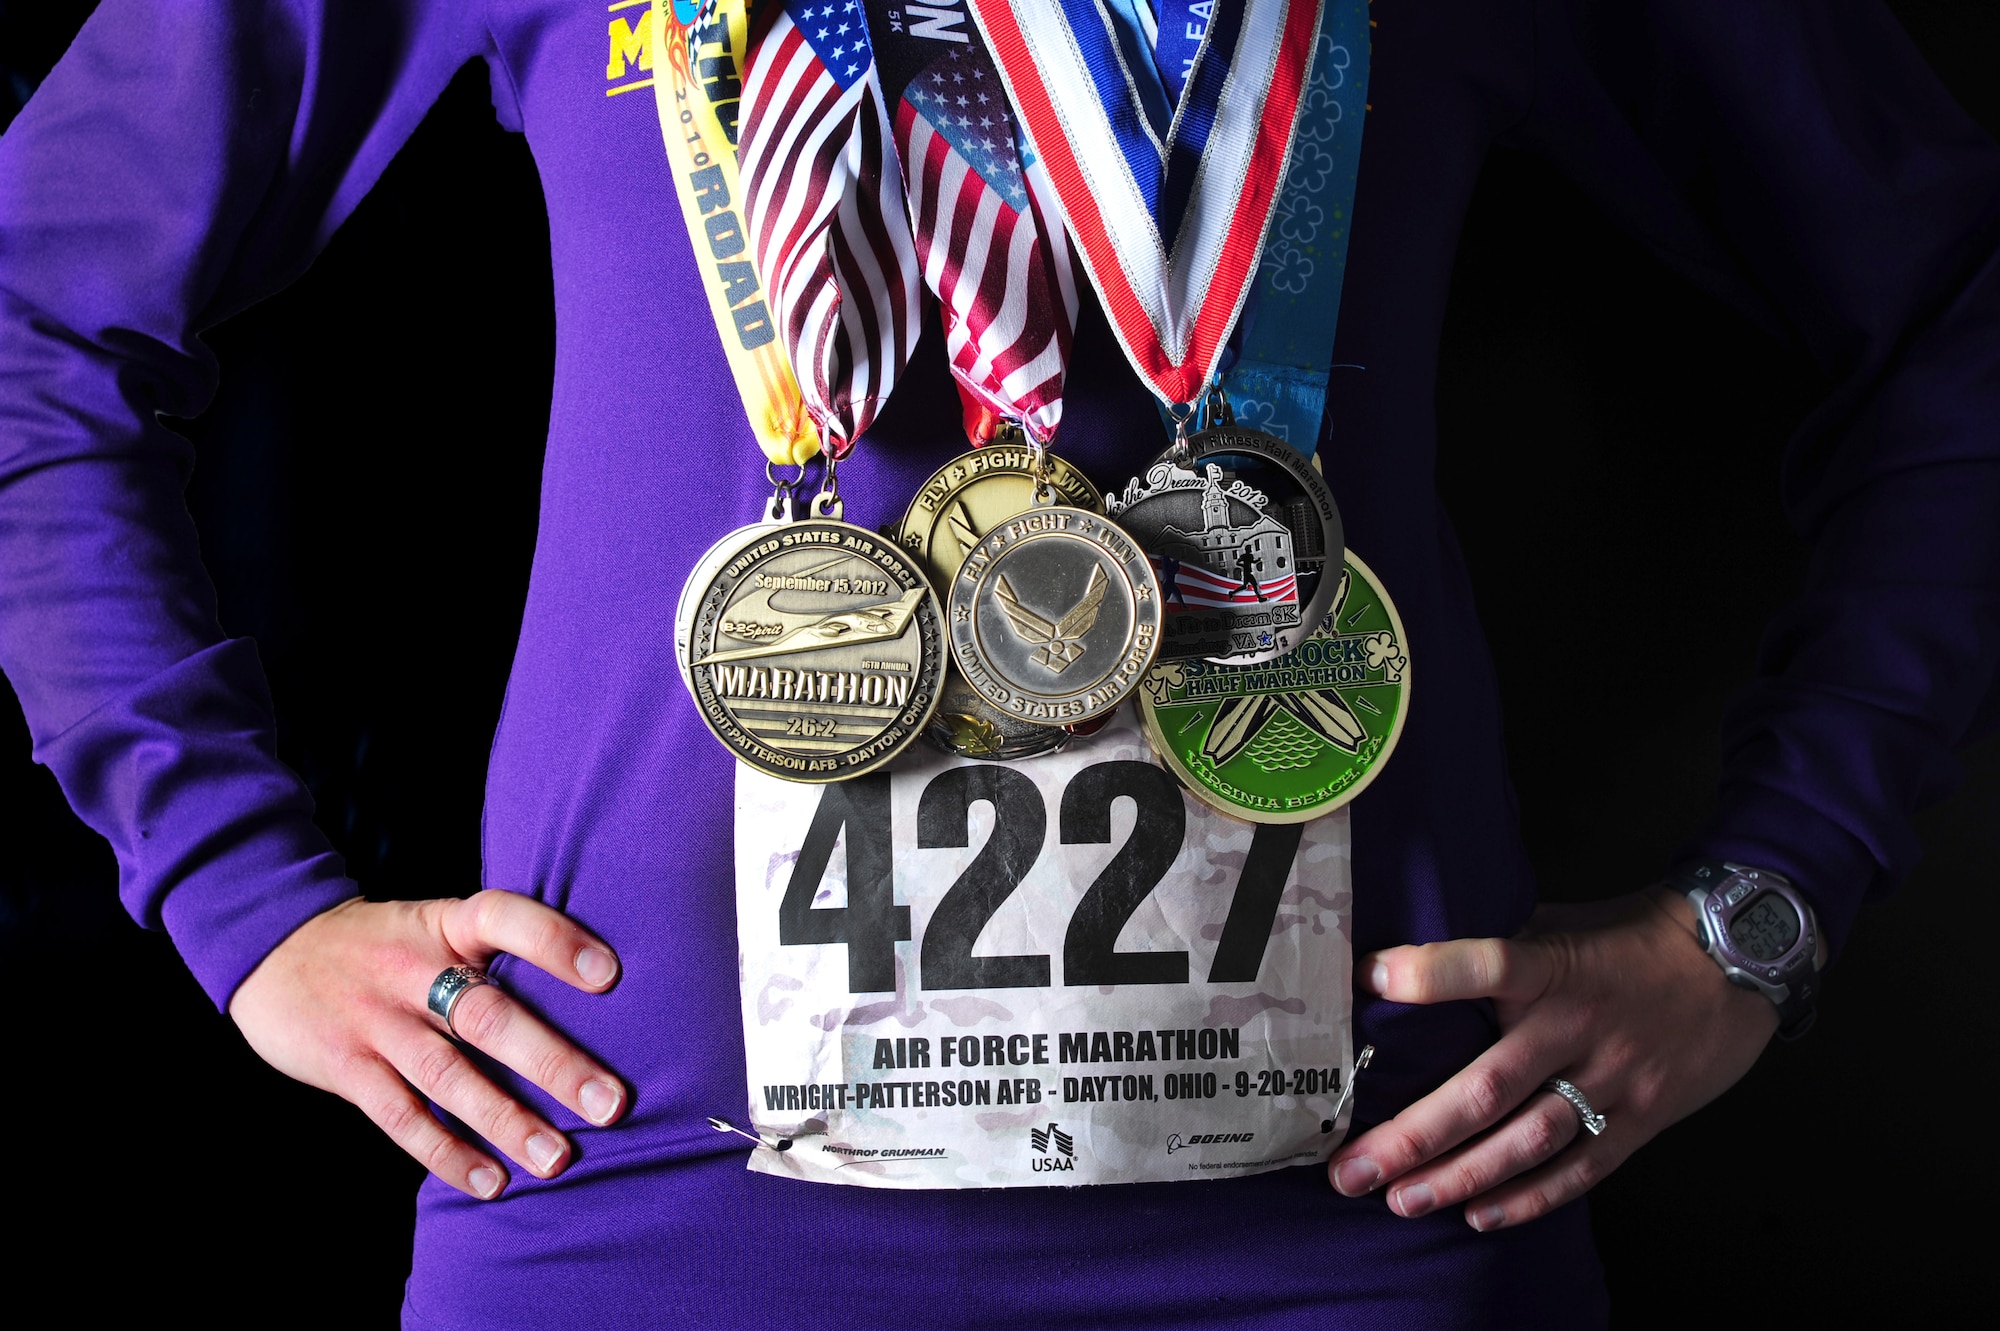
(1246, 542)
(1055, 616)
(817, 651)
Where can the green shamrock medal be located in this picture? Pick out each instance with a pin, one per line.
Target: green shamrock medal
(1291, 739)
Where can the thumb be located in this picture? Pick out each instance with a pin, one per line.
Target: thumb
(1462, 968)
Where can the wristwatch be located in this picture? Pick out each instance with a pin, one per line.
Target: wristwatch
(1762, 933)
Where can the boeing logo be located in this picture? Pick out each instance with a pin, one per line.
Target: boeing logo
(1178, 1143)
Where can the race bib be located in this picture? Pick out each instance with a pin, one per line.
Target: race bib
(959, 974)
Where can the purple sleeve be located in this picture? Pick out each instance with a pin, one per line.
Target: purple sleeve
(181, 162)
(1802, 161)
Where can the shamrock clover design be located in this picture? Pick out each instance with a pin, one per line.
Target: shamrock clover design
(1386, 655)
(1165, 679)
(1300, 224)
(1311, 165)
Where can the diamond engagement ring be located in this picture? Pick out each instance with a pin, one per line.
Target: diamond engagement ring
(451, 985)
(1593, 1122)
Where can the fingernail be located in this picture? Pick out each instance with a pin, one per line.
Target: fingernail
(1487, 1217)
(1416, 1200)
(1356, 1176)
(484, 1180)
(544, 1151)
(600, 1101)
(1378, 978)
(595, 966)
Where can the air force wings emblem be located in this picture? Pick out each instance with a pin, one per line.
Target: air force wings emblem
(1061, 640)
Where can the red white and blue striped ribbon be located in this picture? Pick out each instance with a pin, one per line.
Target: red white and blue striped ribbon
(1170, 229)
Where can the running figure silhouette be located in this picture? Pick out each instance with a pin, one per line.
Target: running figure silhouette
(1246, 569)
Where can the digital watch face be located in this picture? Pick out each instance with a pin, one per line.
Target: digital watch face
(1765, 928)
(1763, 936)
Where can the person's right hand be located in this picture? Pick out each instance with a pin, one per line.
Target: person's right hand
(341, 1005)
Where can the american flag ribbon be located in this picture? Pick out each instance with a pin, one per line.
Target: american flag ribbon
(823, 199)
(990, 237)
(1170, 223)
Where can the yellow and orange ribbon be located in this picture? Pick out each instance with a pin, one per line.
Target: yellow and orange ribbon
(697, 82)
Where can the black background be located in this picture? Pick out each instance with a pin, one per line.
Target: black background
(1609, 453)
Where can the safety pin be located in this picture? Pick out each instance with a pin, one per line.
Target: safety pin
(1361, 1062)
(724, 1125)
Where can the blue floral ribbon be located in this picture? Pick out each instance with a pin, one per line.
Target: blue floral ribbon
(1284, 341)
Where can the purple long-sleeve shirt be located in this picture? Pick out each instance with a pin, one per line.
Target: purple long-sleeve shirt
(188, 158)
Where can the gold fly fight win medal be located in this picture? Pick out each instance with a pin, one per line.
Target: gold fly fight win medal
(953, 513)
(814, 648)
(1053, 615)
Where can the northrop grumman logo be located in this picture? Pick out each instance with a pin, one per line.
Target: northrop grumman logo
(1180, 1143)
(1064, 1147)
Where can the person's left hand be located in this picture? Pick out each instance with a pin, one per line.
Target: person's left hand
(1616, 997)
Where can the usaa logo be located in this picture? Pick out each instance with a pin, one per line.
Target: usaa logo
(1176, 1142)
(1054, 1149)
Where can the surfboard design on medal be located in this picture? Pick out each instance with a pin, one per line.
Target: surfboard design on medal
(1292, 739)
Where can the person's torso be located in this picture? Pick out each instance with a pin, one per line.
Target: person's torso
(608, 797)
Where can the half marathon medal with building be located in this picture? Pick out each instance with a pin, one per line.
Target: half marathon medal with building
(1055, 616)
(1297, 737)
(953, 511)
(1241, 531)
(817, 651)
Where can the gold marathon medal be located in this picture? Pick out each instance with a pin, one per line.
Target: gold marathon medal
(817, 651)
(1055, 616)
(952, 511)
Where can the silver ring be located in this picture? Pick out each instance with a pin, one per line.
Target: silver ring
(1593, 1122)
(450, 986)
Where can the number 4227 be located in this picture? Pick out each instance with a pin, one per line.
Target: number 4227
(871, 923)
